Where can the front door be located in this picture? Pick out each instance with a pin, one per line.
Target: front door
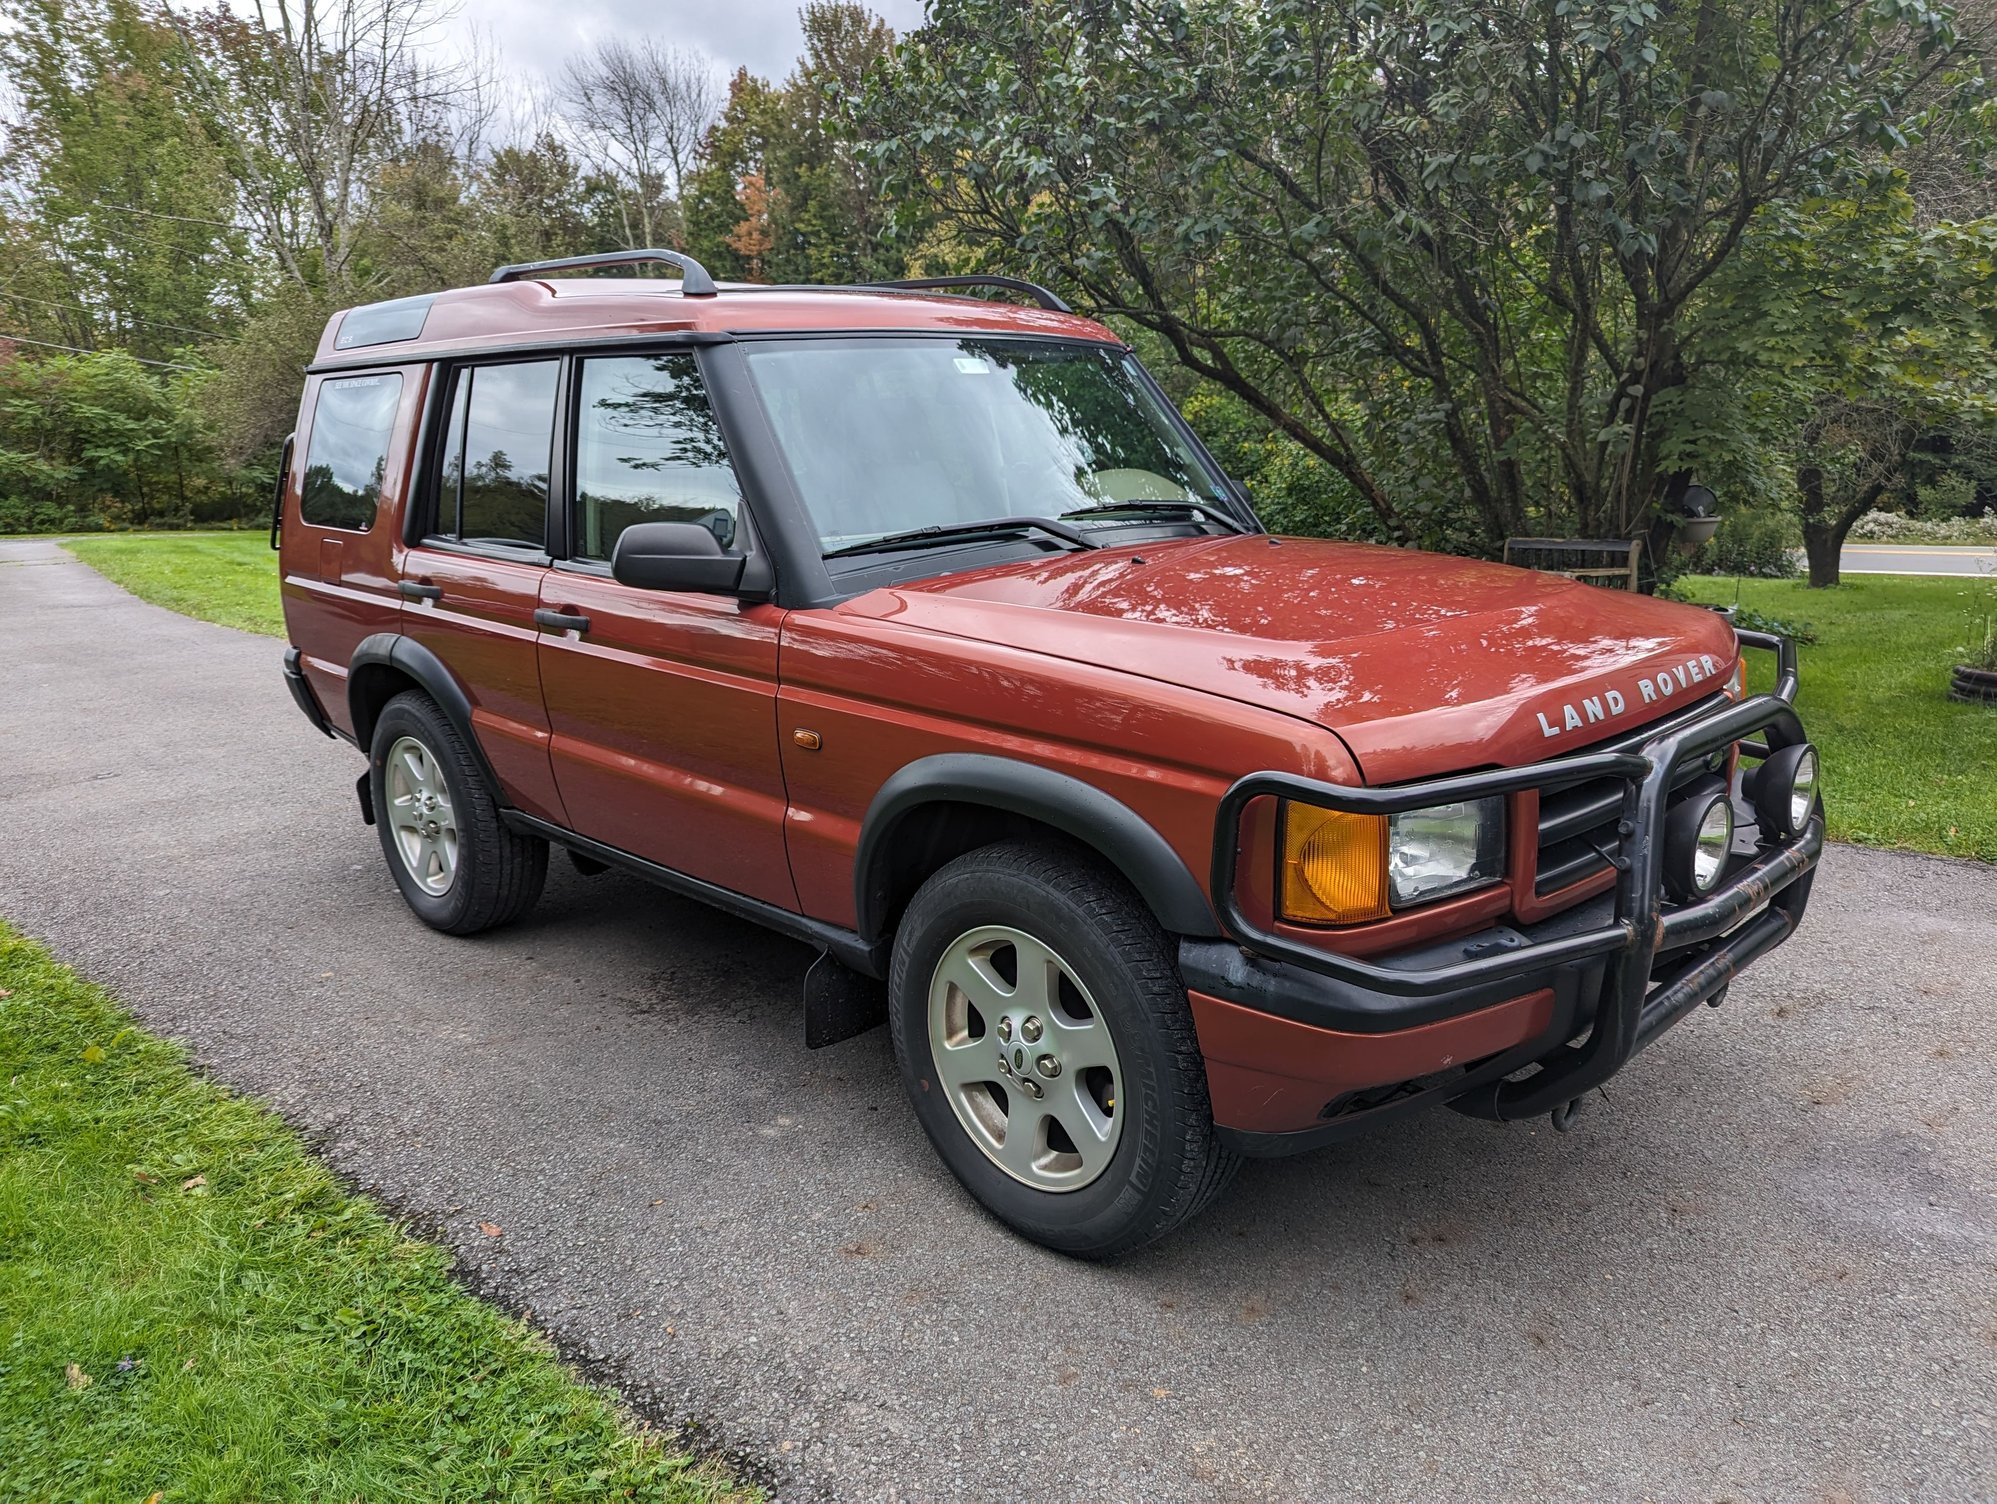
(473, 579)
(662, 705)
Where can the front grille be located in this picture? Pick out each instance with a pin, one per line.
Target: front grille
(1577, 823)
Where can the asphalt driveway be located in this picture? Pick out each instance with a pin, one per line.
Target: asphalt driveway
(1765, 1268)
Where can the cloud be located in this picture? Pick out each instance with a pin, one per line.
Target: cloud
(534, 38)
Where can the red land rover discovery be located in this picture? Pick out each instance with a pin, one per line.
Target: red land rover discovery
(922, 629)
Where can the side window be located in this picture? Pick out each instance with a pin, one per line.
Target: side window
(648, 450)
(347, 456)
(492, 478)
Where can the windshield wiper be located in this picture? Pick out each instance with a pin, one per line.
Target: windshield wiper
(1226, 519)
(921, 537)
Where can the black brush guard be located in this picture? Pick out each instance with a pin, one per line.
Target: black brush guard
(1754, 909)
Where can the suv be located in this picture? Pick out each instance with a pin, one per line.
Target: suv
(921, 628)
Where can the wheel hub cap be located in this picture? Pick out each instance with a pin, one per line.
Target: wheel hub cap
(1025, 1058)
(420, 816)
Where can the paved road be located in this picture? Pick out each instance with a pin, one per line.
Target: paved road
(1909, 558)
(1765, 1269)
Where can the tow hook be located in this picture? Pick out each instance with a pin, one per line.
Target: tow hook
(1563, 1116)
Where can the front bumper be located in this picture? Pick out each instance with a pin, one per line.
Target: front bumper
(1305, 1045)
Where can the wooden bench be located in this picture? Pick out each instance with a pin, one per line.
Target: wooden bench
(1611, 562)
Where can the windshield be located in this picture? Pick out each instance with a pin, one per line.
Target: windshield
(885, 436)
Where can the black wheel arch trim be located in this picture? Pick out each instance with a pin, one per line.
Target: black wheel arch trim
(1098, 820)
(394, 651)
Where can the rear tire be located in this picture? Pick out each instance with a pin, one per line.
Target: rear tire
(458, 866)
(1087, 1144)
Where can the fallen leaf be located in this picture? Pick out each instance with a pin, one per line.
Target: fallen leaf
(6, 991)
(1161, 1394)
(76, 1377)
(188, 1366)
(193, 1181)
(154, 1497)
(491, 1229)
(92, 1053)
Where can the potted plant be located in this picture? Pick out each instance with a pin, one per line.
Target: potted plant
(1975, 679)
(1694, 519)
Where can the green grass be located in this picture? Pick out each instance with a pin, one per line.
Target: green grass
(229, 578)
(192, 1309)
(1903, 764)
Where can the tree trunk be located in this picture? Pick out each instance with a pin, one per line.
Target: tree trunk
(1823, 539)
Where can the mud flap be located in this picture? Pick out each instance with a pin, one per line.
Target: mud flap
(366, 796)
(839, 1002)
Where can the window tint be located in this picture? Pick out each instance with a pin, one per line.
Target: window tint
(348, 453)
(648, 450)
(493, 477)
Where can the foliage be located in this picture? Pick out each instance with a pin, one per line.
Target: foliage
(781, 194)
(220, 577)
(92, 441)
(1454, 251)
(191, 1307)
(1903, 764)
(1891, 527)
(1757, 542)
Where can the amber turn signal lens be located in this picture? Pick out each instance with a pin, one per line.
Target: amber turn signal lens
(1334, 866)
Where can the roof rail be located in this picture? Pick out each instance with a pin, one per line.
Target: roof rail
(1033, 290)
(694, 280)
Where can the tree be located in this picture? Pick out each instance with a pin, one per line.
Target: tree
(1451, 249)
(637, 112)
(785, 165)
(118, 210)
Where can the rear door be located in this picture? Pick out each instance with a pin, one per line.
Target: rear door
(662, 705)
(478, 555)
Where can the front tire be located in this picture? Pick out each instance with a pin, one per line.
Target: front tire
(458, 866)
(1043, 1035)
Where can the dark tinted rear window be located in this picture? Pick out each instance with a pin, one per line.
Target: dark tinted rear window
(352, 424)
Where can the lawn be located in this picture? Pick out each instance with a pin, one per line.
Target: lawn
(1903, 764)
(192, 1308)
(230, 578)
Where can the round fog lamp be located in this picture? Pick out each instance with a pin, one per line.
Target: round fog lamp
(1699, 837)
(1785, 790)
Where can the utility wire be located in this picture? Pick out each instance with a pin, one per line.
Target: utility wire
(22, 339)
(133, 318)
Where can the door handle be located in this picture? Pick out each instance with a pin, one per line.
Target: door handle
(561, 621)
(410, 590)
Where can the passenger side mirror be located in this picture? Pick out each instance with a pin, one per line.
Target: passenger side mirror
(674, 556)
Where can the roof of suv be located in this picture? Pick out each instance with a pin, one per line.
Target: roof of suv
(562, 310)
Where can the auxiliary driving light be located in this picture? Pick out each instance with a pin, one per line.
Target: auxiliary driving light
(1784, 790)
(1699, 832)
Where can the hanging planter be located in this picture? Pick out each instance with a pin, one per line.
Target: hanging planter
(1695, 520)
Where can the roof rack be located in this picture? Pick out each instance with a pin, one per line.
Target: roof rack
(694, 280)
(1033, 290)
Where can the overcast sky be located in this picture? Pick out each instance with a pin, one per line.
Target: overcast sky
(534, 37)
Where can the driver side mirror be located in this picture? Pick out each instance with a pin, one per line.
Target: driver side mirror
(675, 556)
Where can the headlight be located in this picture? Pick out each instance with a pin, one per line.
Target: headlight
(1341, 868)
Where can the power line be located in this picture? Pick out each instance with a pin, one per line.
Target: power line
(22, 339)
(185, 219)
(21, 297)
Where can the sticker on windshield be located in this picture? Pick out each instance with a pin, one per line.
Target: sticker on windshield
(970, 365)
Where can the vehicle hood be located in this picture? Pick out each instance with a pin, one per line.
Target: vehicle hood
(1421, 663)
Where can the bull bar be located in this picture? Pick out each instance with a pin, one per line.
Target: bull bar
(1755, 907)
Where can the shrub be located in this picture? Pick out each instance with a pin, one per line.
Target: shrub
(1756, 544)
(1891, 527)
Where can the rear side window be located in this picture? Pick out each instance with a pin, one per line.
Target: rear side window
(648, 450)
(352, 423)
(492, 479)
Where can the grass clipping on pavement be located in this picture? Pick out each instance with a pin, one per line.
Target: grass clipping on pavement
(192, 1308)
(229, 578)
